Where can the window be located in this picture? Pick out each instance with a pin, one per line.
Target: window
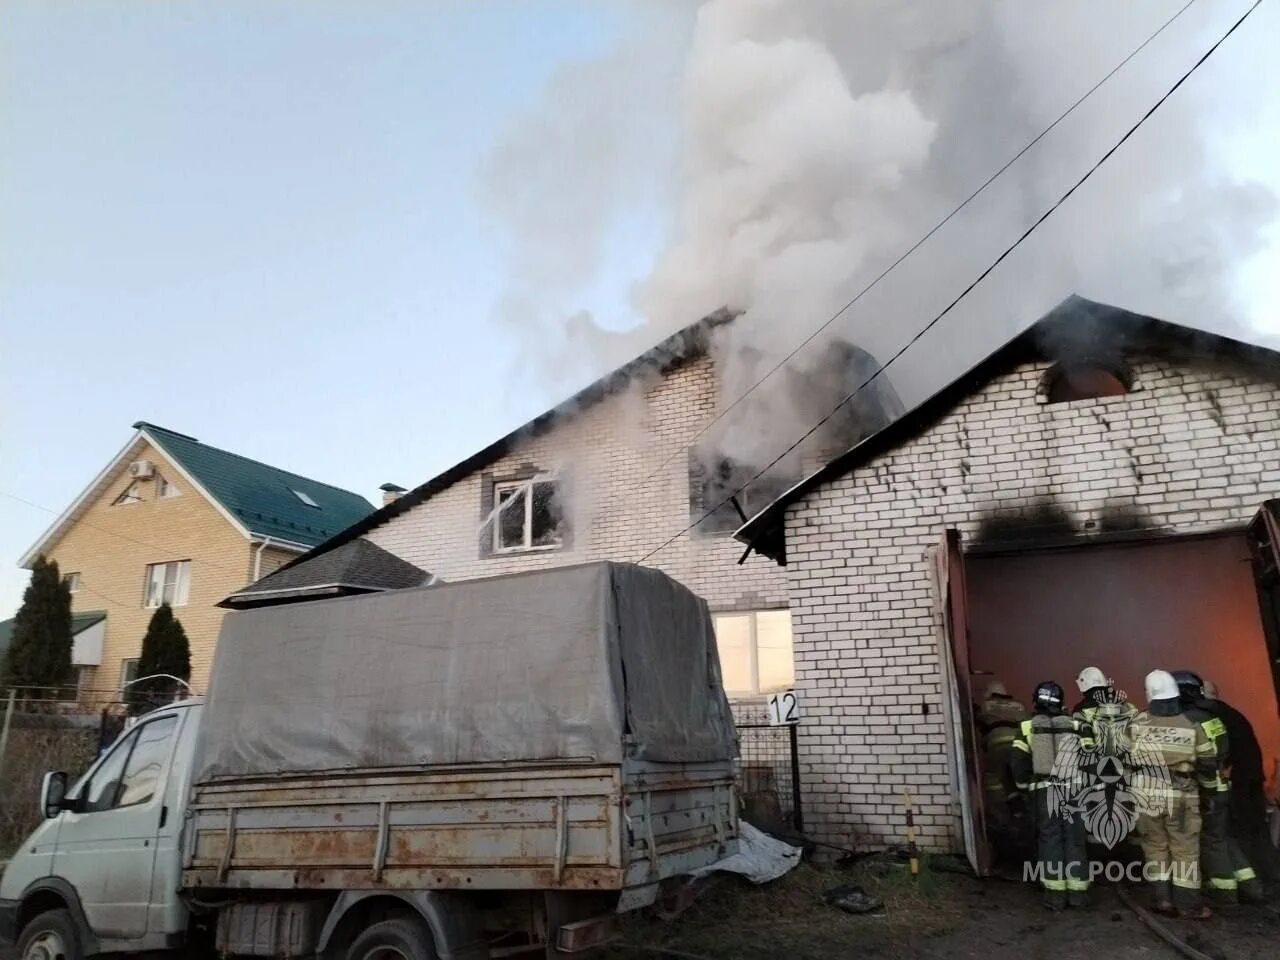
(165, 489)
(128, 672)
(714, 480)
(1068, 382)
(756, 655)
(306, 498)
(168, 583)
(131, 771)
(130, 494)
(528, 515)
(72, 580)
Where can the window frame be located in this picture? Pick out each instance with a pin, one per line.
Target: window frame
(120, 500)
(525, 488)
(73, 585)
(166, 489)
(125, 679)
(306, 498)
(753, 651)
(125, 747)
(181, 584)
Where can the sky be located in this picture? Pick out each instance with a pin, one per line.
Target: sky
(300, 230)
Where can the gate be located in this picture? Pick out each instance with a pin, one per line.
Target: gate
(769, 776)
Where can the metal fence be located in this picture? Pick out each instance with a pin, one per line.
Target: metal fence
(769, 775)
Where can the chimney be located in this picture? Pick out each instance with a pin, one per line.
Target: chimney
(391, 493)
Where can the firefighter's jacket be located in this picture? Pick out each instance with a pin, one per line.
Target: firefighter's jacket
(1167, 734)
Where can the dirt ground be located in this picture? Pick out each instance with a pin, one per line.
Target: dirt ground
(941, 916)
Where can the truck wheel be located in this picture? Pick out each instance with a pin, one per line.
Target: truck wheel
(403, 938)
(50, 936)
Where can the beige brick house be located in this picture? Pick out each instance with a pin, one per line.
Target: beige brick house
(1089, 494)
(171, 519)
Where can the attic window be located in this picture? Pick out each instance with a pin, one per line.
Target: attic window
(306, 498)
(1069, 382)
(130, 494)
(166, 489)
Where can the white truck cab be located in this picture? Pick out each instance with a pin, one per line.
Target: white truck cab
(101, 874)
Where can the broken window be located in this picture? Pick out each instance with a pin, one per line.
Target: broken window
(130, 494)
(1068, 382)
(756, 652)
(529, 515)
(716, 482)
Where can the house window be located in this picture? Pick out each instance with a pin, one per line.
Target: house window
(165, 489)
(715, 482)
(527, 515)
(756, 655)
(130, 494)
(1069, 382)
(128, 672)
(72, 580)
(168, 583)
(306, 498)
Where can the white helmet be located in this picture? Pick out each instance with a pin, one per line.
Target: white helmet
(1161, 685)
(1091, 678)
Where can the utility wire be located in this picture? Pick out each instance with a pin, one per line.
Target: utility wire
(977, 280)
(924, 239)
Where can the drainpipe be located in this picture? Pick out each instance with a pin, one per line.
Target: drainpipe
(257, 558)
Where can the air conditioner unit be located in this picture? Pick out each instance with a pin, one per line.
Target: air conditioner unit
(142, 469)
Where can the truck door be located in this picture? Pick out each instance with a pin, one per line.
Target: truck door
(106, 848)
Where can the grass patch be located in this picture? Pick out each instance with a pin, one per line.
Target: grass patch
(788, 918)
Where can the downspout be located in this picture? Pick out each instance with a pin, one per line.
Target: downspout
(257, 558)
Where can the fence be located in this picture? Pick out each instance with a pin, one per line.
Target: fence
(769, 775)
(52, 728)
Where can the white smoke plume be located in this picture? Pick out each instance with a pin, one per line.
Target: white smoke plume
(819, 138)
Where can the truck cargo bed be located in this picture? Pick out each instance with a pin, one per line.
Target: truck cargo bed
(520, 826)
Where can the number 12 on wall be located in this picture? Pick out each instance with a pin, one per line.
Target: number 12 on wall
(784, 708)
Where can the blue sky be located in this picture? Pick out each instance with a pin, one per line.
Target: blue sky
(257, 224)
(264, 223)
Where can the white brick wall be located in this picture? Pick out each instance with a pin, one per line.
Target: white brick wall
(1191, 448)
(606, 453)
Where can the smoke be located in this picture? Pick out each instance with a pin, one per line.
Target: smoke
(819, 138)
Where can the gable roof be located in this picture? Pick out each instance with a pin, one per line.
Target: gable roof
(1076, 330)
(257, 499)
(358, 566)
(682, 346)
(80, 622)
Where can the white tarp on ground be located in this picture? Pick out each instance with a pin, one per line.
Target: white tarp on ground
(760, 857)
(591, 663)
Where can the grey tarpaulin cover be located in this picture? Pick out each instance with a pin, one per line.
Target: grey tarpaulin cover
(561, 664)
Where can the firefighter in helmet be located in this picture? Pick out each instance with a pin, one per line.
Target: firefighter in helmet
(1174, 760)
(1046, 765)
(999, 719)
(1227, 874)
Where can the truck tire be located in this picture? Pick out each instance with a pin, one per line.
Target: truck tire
(404, 938)
(52, 935)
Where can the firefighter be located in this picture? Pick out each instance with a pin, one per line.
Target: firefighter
(999, 718)
(1042, 753)
(1169, 798)
(1227, 872)
(1248, 792)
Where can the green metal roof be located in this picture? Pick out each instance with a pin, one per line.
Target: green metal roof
(79, 622)
(270, 502)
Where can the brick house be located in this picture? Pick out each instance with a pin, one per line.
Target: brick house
(171, 519)
(1088, 494)
(608, 475)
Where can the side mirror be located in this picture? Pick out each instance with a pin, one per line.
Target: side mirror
(53, 791)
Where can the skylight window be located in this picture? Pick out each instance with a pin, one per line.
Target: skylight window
(305, 498)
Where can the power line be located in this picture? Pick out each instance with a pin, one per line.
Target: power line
(924, 239)
(977, 280)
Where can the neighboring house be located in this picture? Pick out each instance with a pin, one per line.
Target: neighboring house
(1084, 496)
(171, 519)
(608, 475)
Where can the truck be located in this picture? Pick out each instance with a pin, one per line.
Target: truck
(481, 769)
